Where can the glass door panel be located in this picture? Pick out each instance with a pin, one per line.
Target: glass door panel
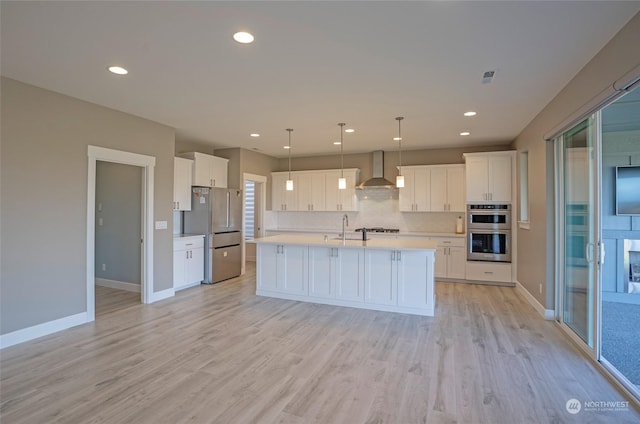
(578, 224)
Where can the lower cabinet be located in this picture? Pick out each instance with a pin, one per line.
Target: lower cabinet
(283, 268)
(398, 277)
(188, 261)
(380, 279)
(489, 271)
(451, 258)
(336, 273)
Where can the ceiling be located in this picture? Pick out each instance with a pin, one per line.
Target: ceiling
(313, 65)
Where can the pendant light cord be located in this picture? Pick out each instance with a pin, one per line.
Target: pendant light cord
(400, 118)
(341, 124)
(289, 129)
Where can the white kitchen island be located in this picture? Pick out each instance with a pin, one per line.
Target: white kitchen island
(395, 275)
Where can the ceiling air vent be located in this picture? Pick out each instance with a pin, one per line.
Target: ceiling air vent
(487, 77)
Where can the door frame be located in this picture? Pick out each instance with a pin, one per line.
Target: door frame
(262, 180)
(147, 163)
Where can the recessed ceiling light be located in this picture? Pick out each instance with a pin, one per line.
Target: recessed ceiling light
(396, 139)
(254, 135)
(349, 130)
(337, 143)
(470, 113)
(118, 70)
(243, 37)
(286, 147)
(465, 133)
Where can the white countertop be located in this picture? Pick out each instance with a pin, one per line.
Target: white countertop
(417, 243)
(185, 236)
(353, 234)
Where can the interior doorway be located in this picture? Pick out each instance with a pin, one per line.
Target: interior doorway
(254, 192)
(118, 235)
(146, 165)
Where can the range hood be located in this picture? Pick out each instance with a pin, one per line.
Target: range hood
(377, 181)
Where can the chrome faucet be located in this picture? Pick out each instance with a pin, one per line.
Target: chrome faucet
(345, 218)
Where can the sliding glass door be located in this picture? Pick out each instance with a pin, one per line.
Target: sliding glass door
(577, 191)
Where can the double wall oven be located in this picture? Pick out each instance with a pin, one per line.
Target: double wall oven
(489, 232)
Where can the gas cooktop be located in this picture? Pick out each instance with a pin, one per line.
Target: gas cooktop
(378, 230)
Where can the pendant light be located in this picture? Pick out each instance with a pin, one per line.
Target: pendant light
(342, 182)
(399, 177)
(289, 183)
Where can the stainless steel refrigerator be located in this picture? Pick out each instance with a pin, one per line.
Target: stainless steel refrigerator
(217, 212)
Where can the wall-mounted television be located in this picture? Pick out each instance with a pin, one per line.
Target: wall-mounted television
(628, 190)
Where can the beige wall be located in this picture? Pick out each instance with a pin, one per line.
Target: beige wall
(535, 246)
(44, 198)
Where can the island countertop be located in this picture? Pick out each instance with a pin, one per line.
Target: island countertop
(413, 243)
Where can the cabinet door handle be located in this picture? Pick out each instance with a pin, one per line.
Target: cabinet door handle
(187, 252)
(399, 255)
(488, 272)
(393, 255)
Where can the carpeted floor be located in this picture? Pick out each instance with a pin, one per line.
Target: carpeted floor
(621, 338)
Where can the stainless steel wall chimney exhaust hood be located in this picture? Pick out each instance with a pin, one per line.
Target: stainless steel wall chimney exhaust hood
(377, 181)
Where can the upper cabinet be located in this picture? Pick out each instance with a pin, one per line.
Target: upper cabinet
(489, 176)
(311, 191)
(182, 184)
(208, 170)
(315, 191)
(432, 188)
(341, 200)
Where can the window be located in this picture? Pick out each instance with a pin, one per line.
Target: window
(524, 190)
(249, 217)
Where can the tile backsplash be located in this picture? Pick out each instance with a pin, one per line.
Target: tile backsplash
(377, 208)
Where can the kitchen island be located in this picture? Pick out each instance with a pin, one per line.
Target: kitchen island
(395, 275)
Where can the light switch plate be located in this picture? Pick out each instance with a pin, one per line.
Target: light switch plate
(161, 225)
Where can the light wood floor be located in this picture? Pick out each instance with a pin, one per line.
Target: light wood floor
(221, 354)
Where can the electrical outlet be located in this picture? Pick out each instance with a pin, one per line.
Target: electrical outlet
(541, 288)
(104, 267)
(100, 222)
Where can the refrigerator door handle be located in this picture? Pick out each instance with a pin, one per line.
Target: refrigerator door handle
(228, 207)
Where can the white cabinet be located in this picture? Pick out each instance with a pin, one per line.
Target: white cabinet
(208, 170)
(314, 191)
(283, 268)
(281, 198)
(489, 271)
(397, 277)
(433, 188)
(414, 196)
(311, 191)
(447, 188)
(489, 176)
(450, 258)
(336, 273)
(182, 184)
(381, 276)
(341, 200)
(413, 269)
(188, 261)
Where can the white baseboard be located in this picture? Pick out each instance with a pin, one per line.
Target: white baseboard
(40, 330)
(548, 314)
(120, 285)
(161, 295)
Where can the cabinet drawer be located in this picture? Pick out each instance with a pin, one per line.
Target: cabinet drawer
(489, 271)
(187, 243)
(449, 241)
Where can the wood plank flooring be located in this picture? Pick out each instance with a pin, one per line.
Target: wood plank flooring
(220, 354)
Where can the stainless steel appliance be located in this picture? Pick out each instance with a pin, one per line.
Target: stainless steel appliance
(489, 233)
(217, 212)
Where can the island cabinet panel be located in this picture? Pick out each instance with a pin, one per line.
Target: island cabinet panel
(413, 268)
(322, 272)
(349, 274)
(381, 280)
(283, 268)
(336, 273)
